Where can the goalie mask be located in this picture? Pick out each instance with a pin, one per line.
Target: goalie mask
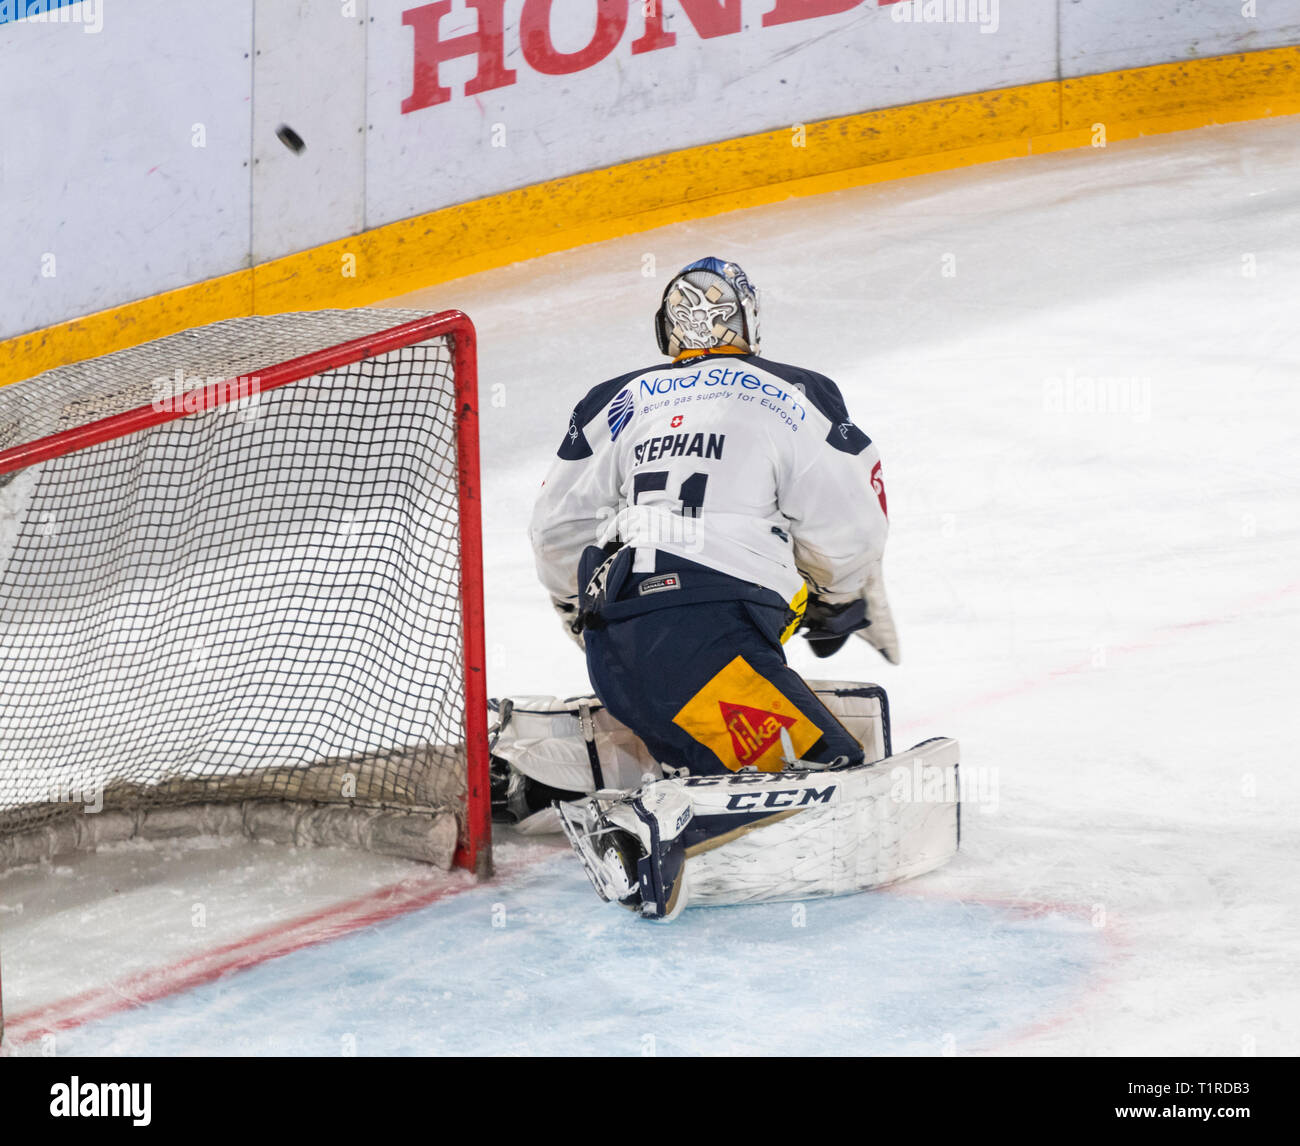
(708, 305)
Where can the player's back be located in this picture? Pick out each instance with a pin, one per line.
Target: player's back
(704, 450)
(745, 465)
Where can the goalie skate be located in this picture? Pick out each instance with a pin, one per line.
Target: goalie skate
(608, 854)
(631, 846)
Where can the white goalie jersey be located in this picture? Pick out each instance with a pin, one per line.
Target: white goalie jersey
(750, 467)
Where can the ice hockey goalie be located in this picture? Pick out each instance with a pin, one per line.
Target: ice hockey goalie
(698, 514)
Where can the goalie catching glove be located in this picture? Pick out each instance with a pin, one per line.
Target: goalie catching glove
(828, 623)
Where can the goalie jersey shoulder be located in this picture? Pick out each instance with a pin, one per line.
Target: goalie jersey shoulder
(616, 400)
(575, 446)
(826, 399)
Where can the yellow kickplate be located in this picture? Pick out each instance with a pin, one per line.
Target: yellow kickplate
(739, 716)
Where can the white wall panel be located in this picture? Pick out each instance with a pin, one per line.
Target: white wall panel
(1106, 35)
(310, 73)
(101, 168)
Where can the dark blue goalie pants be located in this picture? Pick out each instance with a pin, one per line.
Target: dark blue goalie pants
(691, 660)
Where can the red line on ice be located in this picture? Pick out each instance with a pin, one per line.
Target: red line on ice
(1160, 636)
(1116, 942)
(1115, 945)
(272, 942)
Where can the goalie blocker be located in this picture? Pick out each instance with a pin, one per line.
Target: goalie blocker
(676, 841)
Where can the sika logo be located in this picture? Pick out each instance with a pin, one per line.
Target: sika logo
(752, 730)
(747, 734)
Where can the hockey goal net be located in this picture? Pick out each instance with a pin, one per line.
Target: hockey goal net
(240, 591)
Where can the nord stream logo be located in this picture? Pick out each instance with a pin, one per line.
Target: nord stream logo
(657, 386)
(528, 35)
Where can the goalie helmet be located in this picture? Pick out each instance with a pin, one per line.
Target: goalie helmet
(708, 305)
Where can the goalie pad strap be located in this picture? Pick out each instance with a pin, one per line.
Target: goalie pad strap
(588, 728)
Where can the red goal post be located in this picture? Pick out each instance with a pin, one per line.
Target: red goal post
(248, 595)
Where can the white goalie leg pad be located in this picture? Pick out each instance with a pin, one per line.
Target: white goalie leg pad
(545, 739)
(574, 745)
(862, 708)
(761, 837)
(757, 837)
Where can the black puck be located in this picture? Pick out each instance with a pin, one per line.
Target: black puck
(290, 138)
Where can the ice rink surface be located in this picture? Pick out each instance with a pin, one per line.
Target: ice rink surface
(1082, 372)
